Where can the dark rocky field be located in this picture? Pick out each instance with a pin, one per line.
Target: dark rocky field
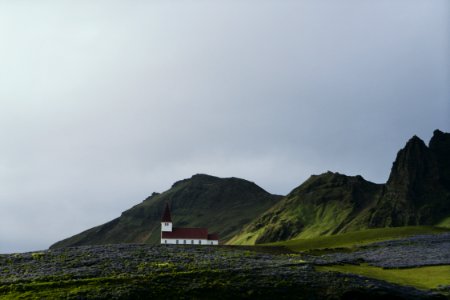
(416, 251)
(137, 271)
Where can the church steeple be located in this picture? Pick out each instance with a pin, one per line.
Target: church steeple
(166, 220)
(166, 215)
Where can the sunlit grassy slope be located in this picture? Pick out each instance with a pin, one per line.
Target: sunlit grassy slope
(445, 223)
(324, 205)
(421, 277)
(352, 239)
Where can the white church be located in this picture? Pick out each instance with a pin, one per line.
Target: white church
(184, 236)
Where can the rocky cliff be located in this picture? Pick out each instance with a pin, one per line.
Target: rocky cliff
(418, 189)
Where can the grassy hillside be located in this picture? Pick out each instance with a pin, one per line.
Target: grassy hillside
(223, 205)
(422, 278)
(353, 239)
(324, 205)
(445, 223)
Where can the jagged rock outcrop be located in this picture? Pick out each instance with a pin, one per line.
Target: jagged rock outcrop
(440, 147)
(418, 190)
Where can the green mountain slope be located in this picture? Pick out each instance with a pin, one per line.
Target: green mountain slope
(323, 205)
(223, 205)
(417, 193)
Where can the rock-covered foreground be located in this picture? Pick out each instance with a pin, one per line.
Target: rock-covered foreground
(136, 271)
(416, 251)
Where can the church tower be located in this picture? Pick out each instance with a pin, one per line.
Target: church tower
(166, 221)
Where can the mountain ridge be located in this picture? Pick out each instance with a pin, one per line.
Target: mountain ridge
(416, 193)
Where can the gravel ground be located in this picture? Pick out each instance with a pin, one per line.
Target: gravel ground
(421, 250)
(138, 259)
(225, 272)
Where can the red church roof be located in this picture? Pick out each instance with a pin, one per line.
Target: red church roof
(166, 215)
(213, 237)
(186, 233)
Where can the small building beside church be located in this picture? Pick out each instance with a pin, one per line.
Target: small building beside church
(184, 236)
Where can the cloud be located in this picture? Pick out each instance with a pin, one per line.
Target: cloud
(104, 102)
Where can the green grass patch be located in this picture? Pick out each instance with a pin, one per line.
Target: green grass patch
(321, 219)
(120, 287)
(421, 277)
(245, 239)
(445, 223)
(357, 238)
(195, 284)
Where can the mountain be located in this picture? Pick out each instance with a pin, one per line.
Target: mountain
(223, 205)
(418, 188)
(417, 193)
(324, 204)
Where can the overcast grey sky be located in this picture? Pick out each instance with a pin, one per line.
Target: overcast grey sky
(104, 102)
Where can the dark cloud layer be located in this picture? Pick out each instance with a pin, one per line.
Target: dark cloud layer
(104, 102)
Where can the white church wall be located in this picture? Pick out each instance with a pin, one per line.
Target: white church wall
(187, 242)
